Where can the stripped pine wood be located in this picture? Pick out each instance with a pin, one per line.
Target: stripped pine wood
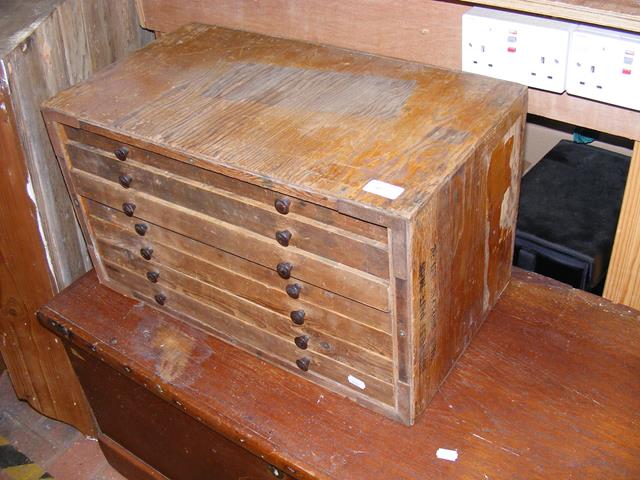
(212, 144)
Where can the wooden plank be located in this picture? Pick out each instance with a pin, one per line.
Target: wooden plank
(549, 364)
(623, 277)
(422, 30)
(586, 113)
(38, 367)
(621, 14)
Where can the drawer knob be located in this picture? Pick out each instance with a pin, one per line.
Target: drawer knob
(141, 229)
(153, 276)
(283, 237)
(128, 209)
(284, 269)
(282, 205)
(303, 363)
(161, 298)
(146, 252)
(121, 153)
(302, 341)
(297, 317)
(125, 180)
(293, 290)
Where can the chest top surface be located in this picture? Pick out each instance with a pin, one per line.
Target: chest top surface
(279, 112)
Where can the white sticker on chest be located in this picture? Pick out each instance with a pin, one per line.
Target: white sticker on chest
(357, 382)
(384, 189)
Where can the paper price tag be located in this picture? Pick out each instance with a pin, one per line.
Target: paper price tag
(384, 189)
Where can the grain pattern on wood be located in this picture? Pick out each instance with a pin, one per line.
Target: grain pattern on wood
(548, 387)
(43, 48)
(312, 236)
(291, 146)
(311, 126)
(340, 325)
(317, 303)
(623, 277)
(37, 364)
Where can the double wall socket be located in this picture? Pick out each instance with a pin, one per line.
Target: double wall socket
(605, 65)
(520, 48)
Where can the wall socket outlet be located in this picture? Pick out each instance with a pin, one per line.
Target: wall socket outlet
(520, 48)
(604, 65)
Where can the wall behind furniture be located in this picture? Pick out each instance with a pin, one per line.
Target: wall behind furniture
(45, 46)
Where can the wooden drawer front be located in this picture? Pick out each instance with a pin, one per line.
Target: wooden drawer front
(107, 219)
(312, 268)
(196, 282)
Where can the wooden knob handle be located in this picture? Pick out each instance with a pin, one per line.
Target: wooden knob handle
(146, 252)
(141, 228)
(125, 180)
(297, 317)
(303, 363)
(284, 269)
(283, 237)
(302, 341)
(153, 276)
(121, 153)
(282, 205)
(128, 209)
(293, 290)
(161, 298)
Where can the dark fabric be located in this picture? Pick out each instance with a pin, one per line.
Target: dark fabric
(572, 199)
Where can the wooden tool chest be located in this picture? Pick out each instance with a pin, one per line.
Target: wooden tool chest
(345, 216)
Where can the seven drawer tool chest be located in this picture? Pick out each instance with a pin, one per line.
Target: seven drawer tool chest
(345, 216)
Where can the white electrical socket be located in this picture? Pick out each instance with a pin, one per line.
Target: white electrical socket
(604, 65)
(520, 48)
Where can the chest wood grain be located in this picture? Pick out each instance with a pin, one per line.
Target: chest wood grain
(226, 177)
